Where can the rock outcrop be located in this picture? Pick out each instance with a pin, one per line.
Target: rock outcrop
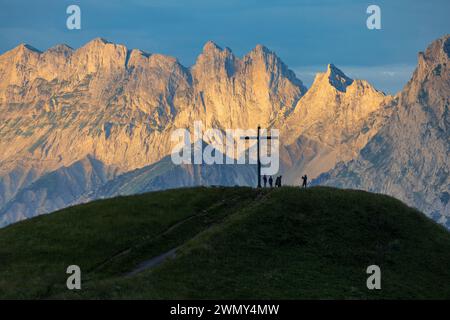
(119, 107)
(77, 125)
(409, 157)
(331, 123)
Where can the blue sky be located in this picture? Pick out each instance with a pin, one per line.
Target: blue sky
(306, 34)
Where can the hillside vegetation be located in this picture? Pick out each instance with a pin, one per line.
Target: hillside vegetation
(229, 243)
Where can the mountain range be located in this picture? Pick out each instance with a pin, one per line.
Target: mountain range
(95, 122)
(408, 158)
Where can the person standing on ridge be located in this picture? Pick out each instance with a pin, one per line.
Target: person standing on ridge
(270, 181)
(265, 180)
(305, 181)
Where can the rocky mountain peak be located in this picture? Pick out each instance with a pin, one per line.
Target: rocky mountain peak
(100, 45)
(98, 41)
(22, 50)
(408, 157)
(212, 51)
(100, 54)
(337, 78)
(214, 62)
(337, 116)
(60, 49)
(436, 54)
(27, 47)
(266, 62)
(211, 47)
(431, 80)
(122, 105)
(262, 53)
(261, 49)
(438, 51)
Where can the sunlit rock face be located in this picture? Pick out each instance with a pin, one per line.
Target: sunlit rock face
(331, 123)
(119, 107)
(244, 93)
(409, 156)
(77, 125)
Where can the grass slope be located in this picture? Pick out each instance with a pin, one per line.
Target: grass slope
(232, 243)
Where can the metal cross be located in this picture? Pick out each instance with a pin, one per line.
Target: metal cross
(258, 138)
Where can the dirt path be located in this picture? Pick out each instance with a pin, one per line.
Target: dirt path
(153, 262)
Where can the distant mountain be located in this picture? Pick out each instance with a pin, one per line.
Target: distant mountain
(119, 107)
(331, 123)
(165, 174)
(56, 190)
(409, 156)
(89, 179)
(76, 125)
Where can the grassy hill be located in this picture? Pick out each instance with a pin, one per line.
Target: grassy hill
(230, 243)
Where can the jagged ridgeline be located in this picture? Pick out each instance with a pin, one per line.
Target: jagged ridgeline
(77, 125)
(408, 158)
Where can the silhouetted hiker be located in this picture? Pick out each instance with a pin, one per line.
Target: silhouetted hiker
(305, 181)
(279, 181)
(265, 180)
(270, 181)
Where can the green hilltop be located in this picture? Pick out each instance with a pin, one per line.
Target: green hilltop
(233, 243)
